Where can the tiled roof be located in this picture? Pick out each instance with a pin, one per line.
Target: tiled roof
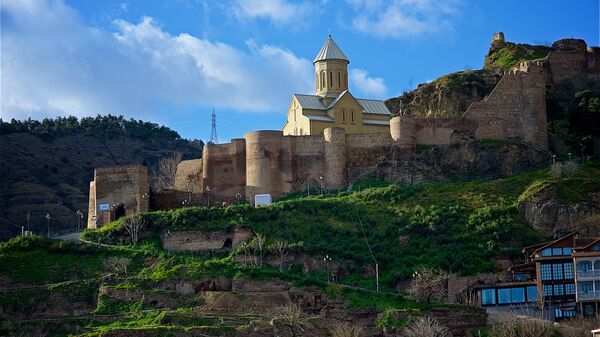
(330, 51)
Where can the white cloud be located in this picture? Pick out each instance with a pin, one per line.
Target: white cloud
(371, 87)
(404, 18)
(53, 64)
(277, 11)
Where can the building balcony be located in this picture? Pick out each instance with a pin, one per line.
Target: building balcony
(588, 274)
(588, 295)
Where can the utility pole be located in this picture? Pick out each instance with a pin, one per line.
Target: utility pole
(48, 224)
(207, 196)
(213, 133)
(79, 220)
(28, 218)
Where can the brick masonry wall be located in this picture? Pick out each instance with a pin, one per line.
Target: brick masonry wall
(189, 176)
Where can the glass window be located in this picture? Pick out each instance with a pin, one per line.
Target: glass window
(570, 289)
(588, 309)
(563, 313)
(488, 296)
(596, 247)
(546, 271)
(568, 267)
(547, 290)
(556, 251)
(567, 251)
(517, 295)
(558, 290)
(584, 266)
(532, 294)
(504, 296)
(597, 265)
(547, 252)
(587, 287)
(557, 273)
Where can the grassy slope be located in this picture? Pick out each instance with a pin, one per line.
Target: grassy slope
(460, 227)
(507, 55)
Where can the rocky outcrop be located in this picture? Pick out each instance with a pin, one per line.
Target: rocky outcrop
(198, 241)
(546, 213)
(447, 96)
(467, 160)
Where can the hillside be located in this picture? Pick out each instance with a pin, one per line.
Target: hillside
(120, 290)
(46, 166)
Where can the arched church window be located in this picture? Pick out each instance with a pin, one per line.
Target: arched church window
(322, 79)
(330, 79)
(339, 79)
(343, 115)
(352, 116)
(301, 132)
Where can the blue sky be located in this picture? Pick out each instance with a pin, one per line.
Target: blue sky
(171, 62)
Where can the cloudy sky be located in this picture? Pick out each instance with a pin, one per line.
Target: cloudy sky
(173, 61)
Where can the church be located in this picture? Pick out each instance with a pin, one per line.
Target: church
(334, 105)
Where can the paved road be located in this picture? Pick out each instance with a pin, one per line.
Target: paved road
(69, 237)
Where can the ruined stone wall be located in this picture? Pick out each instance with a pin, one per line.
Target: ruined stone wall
(364, 151)
(189, 176)
(516, 108)
(119, 185)
(224, 170)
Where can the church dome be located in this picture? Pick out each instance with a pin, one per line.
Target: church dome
(330, 51)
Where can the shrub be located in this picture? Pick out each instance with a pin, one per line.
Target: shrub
(426, 327)
(346, 330)
(563, 170)
(514, 326)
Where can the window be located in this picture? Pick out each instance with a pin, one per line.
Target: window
(532, 294)
(597, 265)
(330, 79)
(569, 274)
(556, 251)
(558, 313)
(488, 296)
(352, 115)
(517, 295)
(557, 273)
(588, 309)
(567, 251)
(546, 271)
(587, 287)
(558, 290)
(596, 248)
(343, 115)
(547, 290)
(547, 252)
(339, 79)
(584, 266)
(504, 296)
(570, 289)
(322, 79)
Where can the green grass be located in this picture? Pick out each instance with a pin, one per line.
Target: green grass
(511, 54)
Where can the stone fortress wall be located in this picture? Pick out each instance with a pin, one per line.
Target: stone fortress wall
(268, 162)
(117, 189)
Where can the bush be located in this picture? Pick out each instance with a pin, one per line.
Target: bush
(426, 327)
(563, 170)
(346, 330)
(515, 326)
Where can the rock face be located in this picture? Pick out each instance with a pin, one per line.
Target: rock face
(447, 96)
(466, 160)
(550, 216)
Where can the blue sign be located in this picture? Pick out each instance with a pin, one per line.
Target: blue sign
(103, 206)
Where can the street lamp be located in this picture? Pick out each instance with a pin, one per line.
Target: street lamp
(48, 224)
(146, 198)
(238, 196)
(28, 218)
(321, 181)
(207, 196)
(79, 220)
(327, 259)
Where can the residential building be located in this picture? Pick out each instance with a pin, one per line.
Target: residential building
(586, 258)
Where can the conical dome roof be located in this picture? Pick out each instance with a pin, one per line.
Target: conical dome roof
(330, 51)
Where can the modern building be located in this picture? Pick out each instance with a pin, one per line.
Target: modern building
(333, 105)
(586, 258)
(558, 279)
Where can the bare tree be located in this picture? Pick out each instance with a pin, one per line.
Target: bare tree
(117, 264)
(428, 284)
(290, 314)
(282, 249)
(578, 327)
(164, 173)
(133, 225)
(259, 241)
(346, 330)
(426, 327)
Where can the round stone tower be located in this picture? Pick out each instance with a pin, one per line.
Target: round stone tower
(331, 70)
(336, 173)
(266, 163)
(403, 130)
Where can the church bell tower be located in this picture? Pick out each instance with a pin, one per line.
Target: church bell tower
(331, 70)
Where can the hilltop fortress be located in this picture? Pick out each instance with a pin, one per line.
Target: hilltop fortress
(332, 139)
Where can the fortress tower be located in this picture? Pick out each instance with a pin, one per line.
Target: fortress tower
(331, 70)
